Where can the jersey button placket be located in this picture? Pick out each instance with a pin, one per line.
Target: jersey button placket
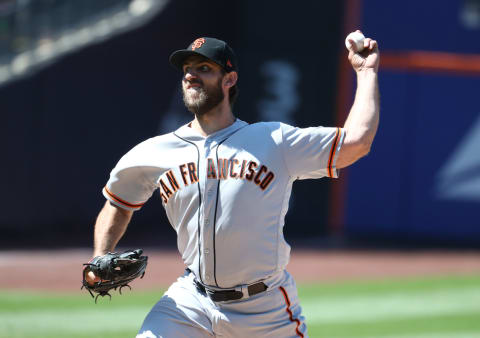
(208, 222)
(202, 182)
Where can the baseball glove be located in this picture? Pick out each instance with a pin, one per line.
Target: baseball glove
(114, 271)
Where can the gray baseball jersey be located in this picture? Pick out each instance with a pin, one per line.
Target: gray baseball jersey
(226, 194)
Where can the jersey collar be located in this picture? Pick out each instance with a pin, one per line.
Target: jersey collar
(188, 133)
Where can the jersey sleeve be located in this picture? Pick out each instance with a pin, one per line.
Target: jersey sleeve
(132, 181)
(311, 152)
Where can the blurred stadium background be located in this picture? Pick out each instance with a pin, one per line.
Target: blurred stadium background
(81, 82)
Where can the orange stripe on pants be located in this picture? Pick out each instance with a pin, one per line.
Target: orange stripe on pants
(289, 311)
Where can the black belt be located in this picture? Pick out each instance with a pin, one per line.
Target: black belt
(226, 295)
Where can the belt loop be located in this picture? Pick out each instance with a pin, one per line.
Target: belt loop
(244, 290)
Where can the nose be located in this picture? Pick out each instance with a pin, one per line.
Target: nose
(189, 75)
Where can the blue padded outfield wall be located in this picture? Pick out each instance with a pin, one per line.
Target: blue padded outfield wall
(421, 182)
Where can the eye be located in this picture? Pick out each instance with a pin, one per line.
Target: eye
(204, 68)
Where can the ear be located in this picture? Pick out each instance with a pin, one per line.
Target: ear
(230, 79)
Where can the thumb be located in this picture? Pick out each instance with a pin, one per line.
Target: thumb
(351, 45)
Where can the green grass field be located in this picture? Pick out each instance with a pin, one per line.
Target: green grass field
(407, 308)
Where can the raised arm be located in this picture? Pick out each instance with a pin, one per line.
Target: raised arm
(362, 122)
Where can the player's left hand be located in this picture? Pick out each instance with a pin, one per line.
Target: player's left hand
(91, 278)
(367, 59)
(113, 270)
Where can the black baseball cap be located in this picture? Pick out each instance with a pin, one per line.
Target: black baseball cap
(213, 49)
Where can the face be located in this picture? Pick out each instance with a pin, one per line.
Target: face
(202, 85)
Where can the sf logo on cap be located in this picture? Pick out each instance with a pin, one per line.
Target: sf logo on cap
(198, 43)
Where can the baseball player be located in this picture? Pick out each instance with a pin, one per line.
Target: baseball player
(225, 185)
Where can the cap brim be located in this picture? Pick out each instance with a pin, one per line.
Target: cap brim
(178, 57)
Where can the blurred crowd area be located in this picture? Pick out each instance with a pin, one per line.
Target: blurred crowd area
(34, 33)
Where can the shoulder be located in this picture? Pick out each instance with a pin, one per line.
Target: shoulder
(271, 127)
(267, 133)
(274, 129)
(144, 150)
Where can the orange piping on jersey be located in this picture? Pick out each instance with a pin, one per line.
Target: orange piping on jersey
(289, 311)
(332, 153)
(119, 200)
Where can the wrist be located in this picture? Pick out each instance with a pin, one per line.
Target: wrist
(366, 73)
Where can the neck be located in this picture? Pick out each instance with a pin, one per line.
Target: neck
(214, 120)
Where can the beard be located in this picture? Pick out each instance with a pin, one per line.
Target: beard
(200, 100)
